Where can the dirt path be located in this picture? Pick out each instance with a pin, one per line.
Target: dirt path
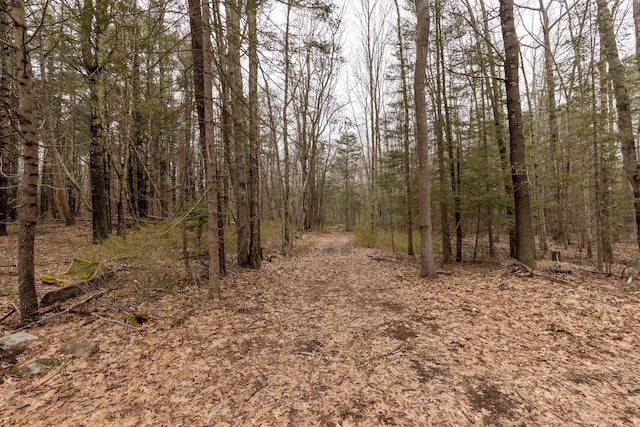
(337, 335)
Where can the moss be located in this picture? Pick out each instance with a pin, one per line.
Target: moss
(82, 268)
(52, 280)
(180, 320)
(136, 319)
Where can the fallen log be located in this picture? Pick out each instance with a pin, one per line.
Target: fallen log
(100, 277)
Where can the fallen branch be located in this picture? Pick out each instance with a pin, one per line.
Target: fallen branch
(65, 311)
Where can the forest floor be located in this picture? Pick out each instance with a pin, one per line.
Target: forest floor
(332, 335)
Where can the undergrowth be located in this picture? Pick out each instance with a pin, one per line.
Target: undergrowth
(392, 241)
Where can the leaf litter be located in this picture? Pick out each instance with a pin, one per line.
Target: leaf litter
(338, 335)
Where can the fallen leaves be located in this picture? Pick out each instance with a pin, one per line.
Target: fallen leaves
(331, 336)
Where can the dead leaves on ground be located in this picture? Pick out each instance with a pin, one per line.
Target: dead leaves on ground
(335, 336)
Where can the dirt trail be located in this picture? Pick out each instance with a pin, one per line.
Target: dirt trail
(338, 335)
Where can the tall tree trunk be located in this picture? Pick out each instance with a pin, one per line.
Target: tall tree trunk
(445, 185)
(636, 26)
(5, 118)
(28, 211)
(525, 244)
(94, 21)
(203, 87)
(427, 263)
(559, 225)
(138, 178)
(406, 163)
(225, 126)
(254, 258)
(239, 131)
(287, 243)
(623, 106)
(454, 164)
(498, 118)
(603, 150)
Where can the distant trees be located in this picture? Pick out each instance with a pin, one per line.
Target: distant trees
(346, 166)
(135, 122)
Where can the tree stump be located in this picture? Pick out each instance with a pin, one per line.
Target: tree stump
(556, 256)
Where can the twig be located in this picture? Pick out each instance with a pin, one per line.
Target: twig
(13, 310)
(380, 356)
(471, 420)
(110, 320)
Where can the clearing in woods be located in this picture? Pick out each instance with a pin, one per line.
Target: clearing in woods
(333, 335)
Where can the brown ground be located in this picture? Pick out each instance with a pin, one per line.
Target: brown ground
(336, 335)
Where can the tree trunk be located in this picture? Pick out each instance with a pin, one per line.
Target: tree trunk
(203, 87)
(239, 131)
(604, 153)
(94, 21)
(498, 118)
(287, 243)
(138, 178)
(406, 164)
(254, 258)
(559, 225)
(5, 118)
(427, 263)
(623, 106)
(453, 152)
(28, 211)
(445, 185)
(525, 244)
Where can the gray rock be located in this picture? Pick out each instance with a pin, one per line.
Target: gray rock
(15, 339)
(78, 347)
(35, 366)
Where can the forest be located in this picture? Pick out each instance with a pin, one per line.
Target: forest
(469, 153)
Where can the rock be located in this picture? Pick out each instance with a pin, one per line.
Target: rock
(35, 366)
(79, 347)
(16, 338)
(9, 355)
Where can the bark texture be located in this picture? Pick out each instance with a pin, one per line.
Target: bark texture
(28, 211)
